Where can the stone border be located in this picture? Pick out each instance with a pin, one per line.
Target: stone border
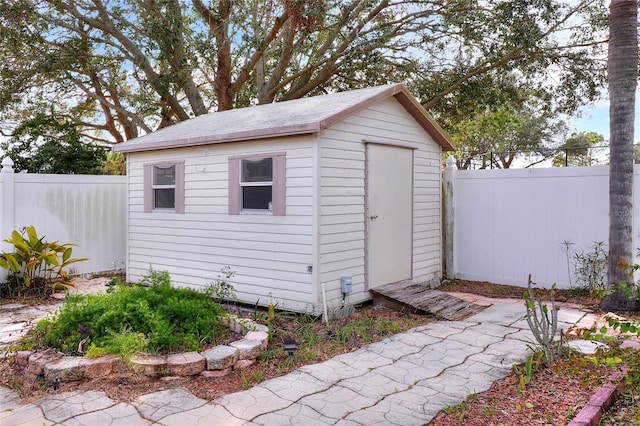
(590, 414)
(218, 361)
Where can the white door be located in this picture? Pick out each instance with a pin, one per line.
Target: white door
(389, 214)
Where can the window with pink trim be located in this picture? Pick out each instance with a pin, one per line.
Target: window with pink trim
(164, 187)
(257, 184)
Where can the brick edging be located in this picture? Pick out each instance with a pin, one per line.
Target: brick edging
(590, 414)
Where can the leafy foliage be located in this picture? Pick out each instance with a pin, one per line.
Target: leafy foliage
(154, 317)
(120, 69)
(221, 289)
(114, 164)
(48, 144)
(525, 372)
(35, 264)
(590, 267)
(495, 138)
(580, 149)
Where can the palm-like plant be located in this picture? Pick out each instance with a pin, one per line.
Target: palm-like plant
(36, 262)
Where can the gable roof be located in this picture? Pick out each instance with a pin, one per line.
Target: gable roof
(299, 116)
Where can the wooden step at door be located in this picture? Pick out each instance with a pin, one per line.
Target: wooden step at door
(411, 297)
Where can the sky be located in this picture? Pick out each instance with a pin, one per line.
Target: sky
(595, 118)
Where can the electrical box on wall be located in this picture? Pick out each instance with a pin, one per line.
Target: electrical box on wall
(346, 284)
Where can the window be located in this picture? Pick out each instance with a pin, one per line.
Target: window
(164, 187)
(257, 184)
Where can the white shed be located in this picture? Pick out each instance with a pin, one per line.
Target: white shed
(292, 196)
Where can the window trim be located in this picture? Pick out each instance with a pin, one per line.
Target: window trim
(278, 184)
(149, 187)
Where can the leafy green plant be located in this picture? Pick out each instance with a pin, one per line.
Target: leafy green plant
(589, 267)
(36, 264)
(221, 289)
(154, 318)
(543, 322)
(525, 373)
(624, 325)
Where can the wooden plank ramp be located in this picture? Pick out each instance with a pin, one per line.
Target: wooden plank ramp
(409, 296)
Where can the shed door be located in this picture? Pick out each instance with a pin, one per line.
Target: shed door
(389, 214)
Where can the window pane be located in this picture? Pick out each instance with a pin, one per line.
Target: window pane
(256, 197)
(257, 170)
(164, 198)
(164, 175)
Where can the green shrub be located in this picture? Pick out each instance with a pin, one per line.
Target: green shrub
(35, 265)
(155, 318)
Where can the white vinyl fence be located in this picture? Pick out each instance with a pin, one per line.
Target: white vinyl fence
(86, 210)
(503, 225)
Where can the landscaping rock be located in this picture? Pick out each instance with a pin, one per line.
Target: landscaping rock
(248, 349)
(70, 368)
(221, 357)
(216, 373)
(38, 360)
(22, 358)
(587, 347)
(241, 325)
(243, 363)
(150, 365)
(262, 328)
(260, 336)
(186, 364)
(100, 367)
(631, 343)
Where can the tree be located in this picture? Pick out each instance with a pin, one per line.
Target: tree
(636, 153)
(579, 150)
(46, 144)
(623, 75)
(126, 67)
(497, 138)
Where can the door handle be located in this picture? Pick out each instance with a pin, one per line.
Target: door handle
(374, 216)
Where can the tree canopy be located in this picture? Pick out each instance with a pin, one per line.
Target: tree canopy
(121, 68)
(43, 144)
(580, 149)
(494, 139)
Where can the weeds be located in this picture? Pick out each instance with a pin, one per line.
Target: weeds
(526, 372)
(221, 289)
(589, 267)
(318, 341)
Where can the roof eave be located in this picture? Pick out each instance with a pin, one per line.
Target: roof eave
(428, 123)
(212, 139)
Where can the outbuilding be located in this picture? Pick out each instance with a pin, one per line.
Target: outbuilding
(310, 202)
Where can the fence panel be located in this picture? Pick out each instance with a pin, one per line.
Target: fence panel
(511, 223)
(89, 211)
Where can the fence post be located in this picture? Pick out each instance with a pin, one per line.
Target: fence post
(449, 215)
(7, 220)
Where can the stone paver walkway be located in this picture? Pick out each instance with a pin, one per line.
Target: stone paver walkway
(404, 380)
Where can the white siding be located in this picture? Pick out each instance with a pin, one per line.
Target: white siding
(342, 196)
(269, 254)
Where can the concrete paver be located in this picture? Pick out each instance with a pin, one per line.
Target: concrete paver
(404, 380)
(65, 406)
(158, 405)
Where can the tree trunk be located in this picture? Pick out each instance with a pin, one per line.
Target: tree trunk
(623, 74)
